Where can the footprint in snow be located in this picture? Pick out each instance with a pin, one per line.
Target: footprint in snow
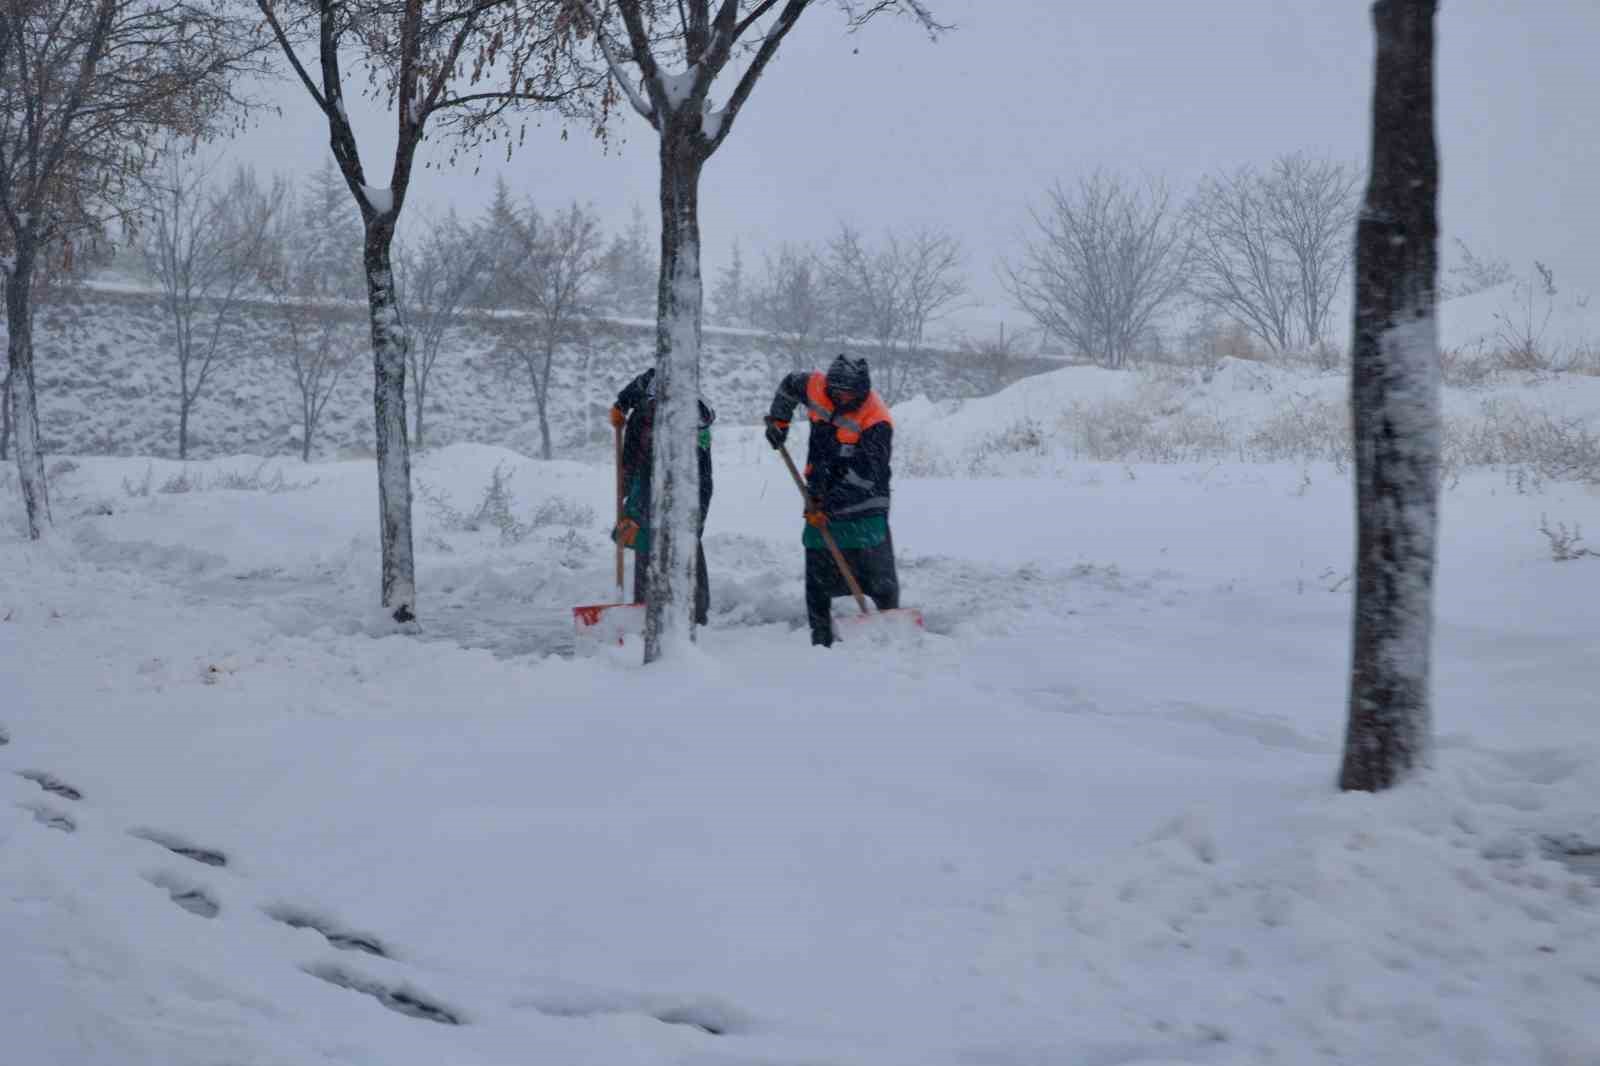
(179, 846)
(343, 939)
(51, 783)
(717, 1019)
(186, 894)
(50, 817)
(709, 1016)
(401, 999)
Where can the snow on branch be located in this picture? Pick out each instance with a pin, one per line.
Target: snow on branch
(381, 200)
(678, 86)
(711, 123)
(617, 71)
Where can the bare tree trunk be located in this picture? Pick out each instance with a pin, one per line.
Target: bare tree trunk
(585, 414)
(544, 398)
(24, 400)
(419, 389)
(308, 425)
(5, 417)
(1395, 397)
(389, 408)
(540, 407)
(675, 487)
(183, 414)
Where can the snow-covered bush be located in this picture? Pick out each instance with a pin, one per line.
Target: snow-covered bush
(1305, 429)
(1565, 544)
(1466, 367)
(497, 510)
(1536, 444)
(562, 511)
(193, 479)
(256, 481)
(915, 456)
(1145, 428)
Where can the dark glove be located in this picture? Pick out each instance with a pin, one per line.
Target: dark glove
(777, 432)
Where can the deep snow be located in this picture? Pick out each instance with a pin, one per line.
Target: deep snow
(1087, 817)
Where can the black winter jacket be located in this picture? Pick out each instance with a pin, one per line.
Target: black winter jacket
(637, 400)
(847, 469)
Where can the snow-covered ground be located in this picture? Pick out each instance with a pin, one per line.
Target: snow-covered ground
(1087, 817)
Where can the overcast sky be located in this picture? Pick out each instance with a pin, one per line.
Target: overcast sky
(885, 128)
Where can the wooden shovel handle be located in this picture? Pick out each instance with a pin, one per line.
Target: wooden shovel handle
(827, 535)
(620, 494)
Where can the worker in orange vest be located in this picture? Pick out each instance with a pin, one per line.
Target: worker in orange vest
(634, 413)
(847, 480)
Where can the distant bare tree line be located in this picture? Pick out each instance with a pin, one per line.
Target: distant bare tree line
(1264, 251)
(878, 296)
(1259, 254)
(213, 241)
(216, 239)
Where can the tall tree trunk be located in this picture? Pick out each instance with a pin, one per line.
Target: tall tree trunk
(24, 400)
(1395, 398)
(675, 484)
(183, 418)
(389, 420)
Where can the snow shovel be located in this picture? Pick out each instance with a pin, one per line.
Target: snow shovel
(904, 615)
(610, 623)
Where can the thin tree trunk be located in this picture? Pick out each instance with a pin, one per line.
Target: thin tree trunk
(24, 401)
(530, 361)
(540, 404)
(1395, 397)
(183, 331)
(399, 582)
(5, 418)
(421, 389)
(675, 495)
(544, 403)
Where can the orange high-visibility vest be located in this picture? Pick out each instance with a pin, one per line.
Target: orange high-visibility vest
(847, 427)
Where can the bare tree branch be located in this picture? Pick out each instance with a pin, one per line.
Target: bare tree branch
(1107, 259)
(645, 110)
(86, 91)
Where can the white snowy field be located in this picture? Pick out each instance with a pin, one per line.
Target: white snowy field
(1087, 817)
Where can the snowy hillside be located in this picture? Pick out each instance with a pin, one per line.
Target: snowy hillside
(1560, 323)
(107, 380)
(1086, 817)
(1536, 425)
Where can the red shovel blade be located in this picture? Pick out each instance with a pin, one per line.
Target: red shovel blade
(895, 620)
(608, 623)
